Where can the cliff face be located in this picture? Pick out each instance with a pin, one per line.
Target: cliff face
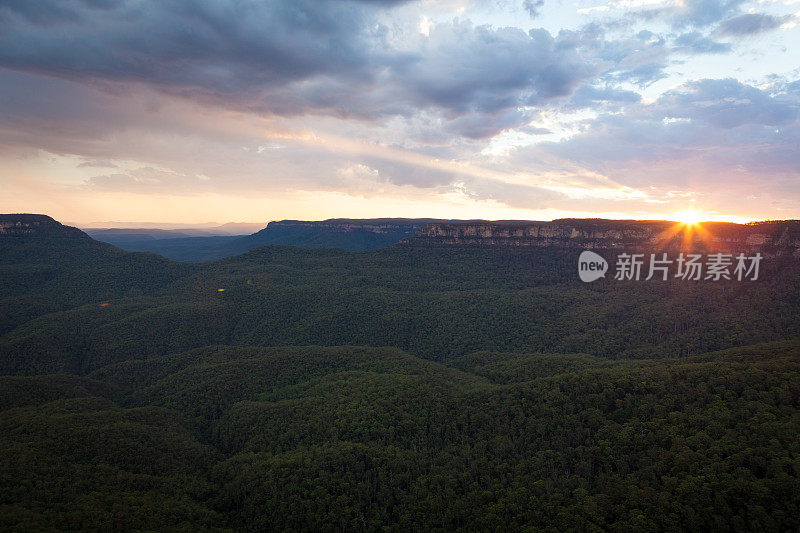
(37, 226)
(774, 238)
(347, 234)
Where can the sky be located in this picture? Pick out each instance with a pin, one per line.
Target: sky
(176, 111)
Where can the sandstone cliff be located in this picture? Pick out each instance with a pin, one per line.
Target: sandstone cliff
(773, 237)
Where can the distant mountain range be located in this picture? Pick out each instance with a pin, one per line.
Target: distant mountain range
(348, 234)
(144, 234)
(771, 237)
(280, 294)
(367, 234)
(195, 230)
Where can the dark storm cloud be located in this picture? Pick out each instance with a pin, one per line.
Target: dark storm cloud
(296, 57)
(49, 12)
(750, 24)
(480, 72)
(219, 47)
(477, 78)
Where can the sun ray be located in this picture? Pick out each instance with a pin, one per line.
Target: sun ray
(692, 229)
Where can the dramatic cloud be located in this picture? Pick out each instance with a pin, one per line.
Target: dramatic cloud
(296, 57)
(481, 74)
(214, 47)
(728, 104)
(702, 136)
(625, 107)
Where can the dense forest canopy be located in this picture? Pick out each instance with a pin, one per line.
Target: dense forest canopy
(408, 387)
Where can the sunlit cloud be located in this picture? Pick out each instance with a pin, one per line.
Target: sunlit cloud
(460, 107)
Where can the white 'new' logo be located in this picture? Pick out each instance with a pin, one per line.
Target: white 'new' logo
(591, 266)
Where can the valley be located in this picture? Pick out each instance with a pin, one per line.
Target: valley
(422, 385)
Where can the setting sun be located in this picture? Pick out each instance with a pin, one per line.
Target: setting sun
(688, 217)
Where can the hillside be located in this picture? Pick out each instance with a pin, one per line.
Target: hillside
(47, 267)
(436, 302)
(436, 386)
(309, 438)
(31, 226)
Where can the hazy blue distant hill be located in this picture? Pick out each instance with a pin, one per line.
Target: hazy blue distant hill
(187, 249)
(347, 234)
(119, 235)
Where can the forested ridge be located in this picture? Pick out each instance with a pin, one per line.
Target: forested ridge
(401, 389)
(347, 234)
